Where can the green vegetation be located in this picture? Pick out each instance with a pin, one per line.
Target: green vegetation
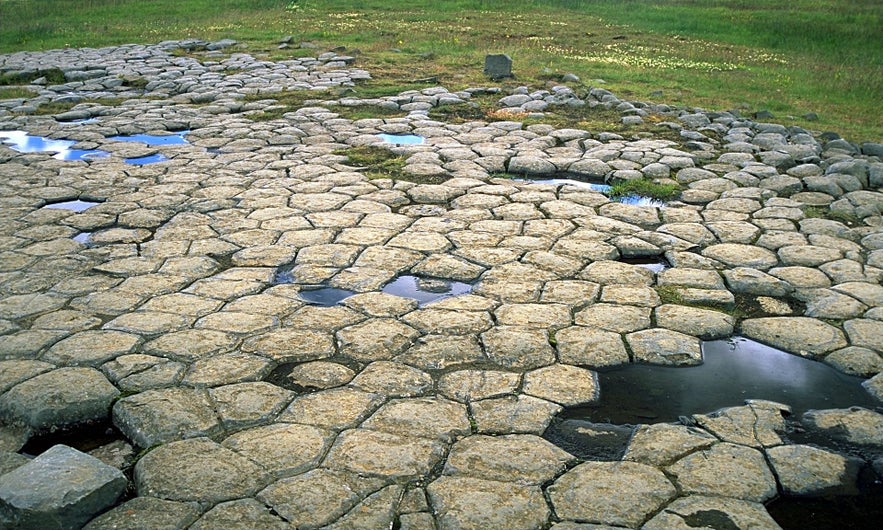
(15, 93)
(789, 57)
(377, 162)
(645, 188)
(833, 215)
(53, 76)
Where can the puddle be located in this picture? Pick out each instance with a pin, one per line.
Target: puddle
(425, 290)
(82, 237)
(635, 200)
(844, 512)
(402, 139)
(24, 143)
(656, 264)
(82, 121)
(152, 139)
(325, 296)
(144, 160)
(77, 205)
(639, 200)
(732, 371)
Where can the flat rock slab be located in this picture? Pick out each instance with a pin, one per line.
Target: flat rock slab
(854, 425)
(727, 470)
(803, 336)
(164, 415)
(462, 503)
(522, 458)
(65, 396)
(807, 470)
(384, 454)
(146, 512)
(699, 511)
(198, 470)
(563, 384)
(663, 443)
(664, 346)
(61, 488)
(614, 493)
(283, 449)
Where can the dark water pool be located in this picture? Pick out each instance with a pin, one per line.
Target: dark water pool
(425, 290)
(732, 371)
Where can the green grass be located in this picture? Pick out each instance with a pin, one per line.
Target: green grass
(790, 58)
(377, 162)
(645, 188)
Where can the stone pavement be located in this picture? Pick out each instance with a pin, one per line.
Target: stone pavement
(243, 406)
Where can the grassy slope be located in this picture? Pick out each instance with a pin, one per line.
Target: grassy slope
(791, 57)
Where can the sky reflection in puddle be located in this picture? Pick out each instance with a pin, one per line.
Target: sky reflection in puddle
(24, 143)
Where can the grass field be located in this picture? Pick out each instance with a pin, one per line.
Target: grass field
(790, 57)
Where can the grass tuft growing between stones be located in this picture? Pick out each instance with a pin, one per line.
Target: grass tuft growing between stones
(822, 212)
(376, 162)
(645, 188)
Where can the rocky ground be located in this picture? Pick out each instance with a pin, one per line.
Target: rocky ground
(242, 406)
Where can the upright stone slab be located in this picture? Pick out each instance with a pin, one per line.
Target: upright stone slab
(61, 488)
(497, 66)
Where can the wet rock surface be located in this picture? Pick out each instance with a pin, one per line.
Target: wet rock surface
(262, 408)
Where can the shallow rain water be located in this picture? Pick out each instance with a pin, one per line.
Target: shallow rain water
(144, 160)
(325, 296)
(635, 200)
(25, 143)
(425, 290)
(77, 205)
(153, 139)
(732, 371)
(402, 139)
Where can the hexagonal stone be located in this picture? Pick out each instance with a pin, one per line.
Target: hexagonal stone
(662, 443)
(803, 336)
(197, 470)
(522, 458)
(865, 332)
(397, 456)
(190, 344)
(736, 255)
(614, 493)
(440, 321)
(427, 417)
(808, 470)
(14, 372)
(615, 272)
(375, 339)
(65, 396)
(854, 425)
(393, 379)
(611, 317)
(321, 375)
(725, 470)
(283, 449)
(337, 409)
(380, 304)
(590, 347)
(462, 503)
(663, 346)
(469, 385)
(711, 512)
(518, 347)
(227, 369)
(24, 305)
(756, 424)
(438, 352)
(563, 384)
(533, 315)
(242, 514)
(317, 497)
(244, 404)
(421, 241)
(378, 510)
(146, 512)
(159, 416)
(91, 347)
(237, 322)
(855, 360)
(627, 295)
(703, 323)
(514, 414)
(60, 488)
(291, 345)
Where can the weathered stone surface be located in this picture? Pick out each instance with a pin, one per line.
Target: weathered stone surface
(61, 397)
(318, 497)
(336, 409)
(736, 255)
(283, 449)
(585, 346)
(426, 417)
(564, 384)
(855, 360)
(513, 414)
(756, 424)
(395, 456)
(808, 470)
(470, 385)
(242, 514)
(725, 470)
(376, 339)
(92, 348)
(197, 470)
(522, 458)
(662, 443)
(800, 335)
(462, 503)
(61, 488)
(583, 493)
(291, 345)
(164, 415)
(865, 332)
(711, 512)
(610, 317)
(393, 379)
(855, 425)
(516, 347)
(378, 510)
(663, 346)
(146, 512)
(703, 323)
(321, 375)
